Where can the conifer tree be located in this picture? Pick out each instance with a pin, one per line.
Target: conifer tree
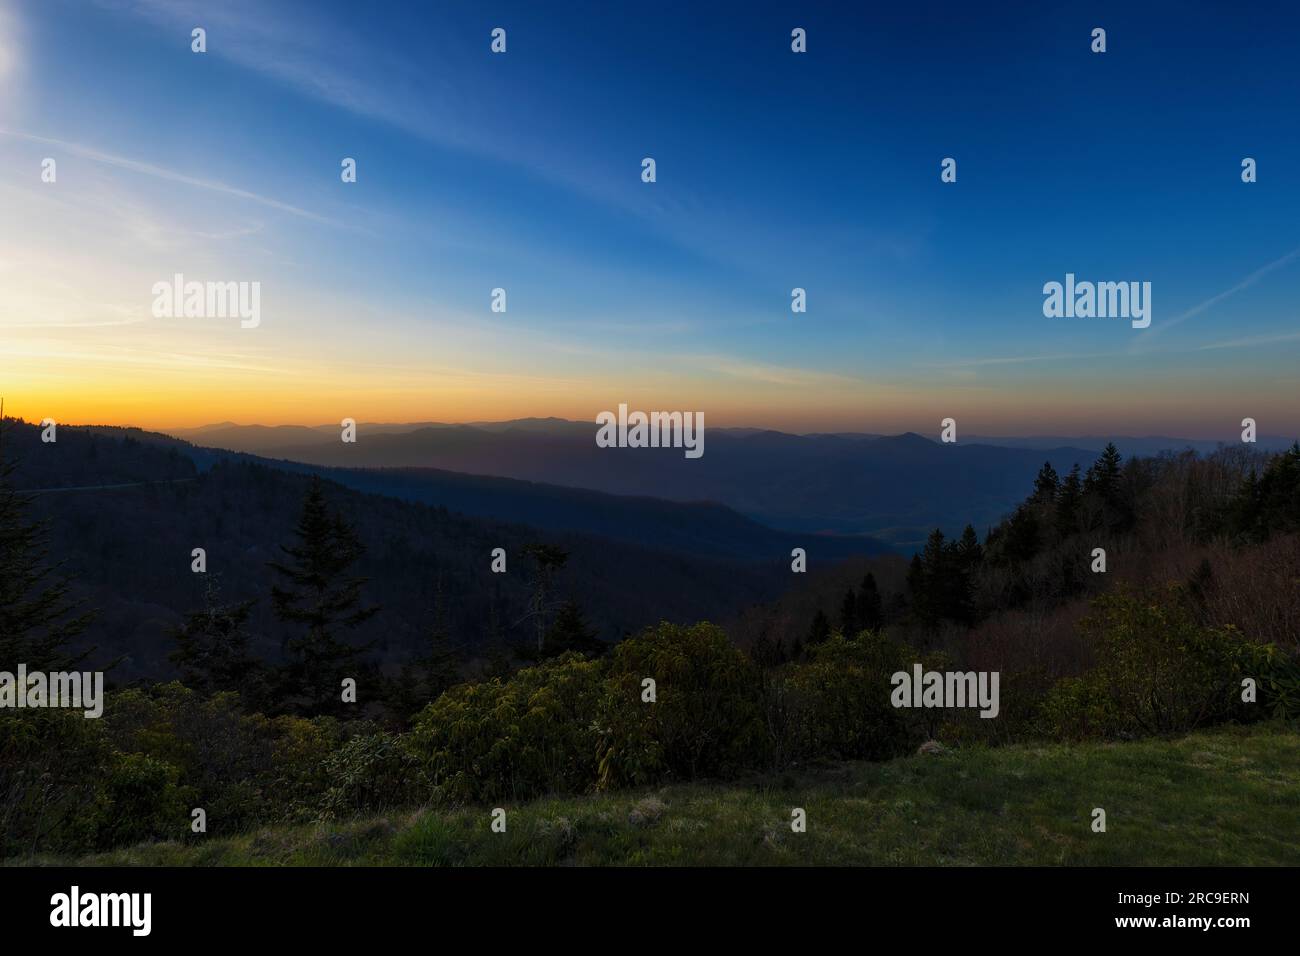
(817, 633)
(1067, 504)
(570, 632)
(1046, 484)
(212, 648)
(870, 605)
(38, 616)
(849, 614)
(547, 562)
(322, 600)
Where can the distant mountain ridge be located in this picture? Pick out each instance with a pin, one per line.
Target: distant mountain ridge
(144, 501)
(894, 488)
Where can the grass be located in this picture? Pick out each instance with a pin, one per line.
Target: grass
(1230, 796)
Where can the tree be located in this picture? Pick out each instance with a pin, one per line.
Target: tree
(818, 632)
(1067, 504)
(1046, 484)
(320, 596)
(38, 616)
(918, 590)
(569, 632)
(426, 676)
(547, 561)
(849, 614)
(870, 605)
(212, 648)
(968, 555)
(1104, 475)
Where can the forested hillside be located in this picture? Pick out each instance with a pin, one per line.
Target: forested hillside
(1191, 622)
(127, 552)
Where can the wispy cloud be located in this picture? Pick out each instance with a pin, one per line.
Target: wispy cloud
(159, 172)
(1014, 359)
(1253, 340)
(1212, 301)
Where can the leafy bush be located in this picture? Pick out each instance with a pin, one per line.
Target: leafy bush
(51, 765)
(1158, 671)
(142, 799)
(515, 738)
(369, 773)
(706, 719)
(843, 693)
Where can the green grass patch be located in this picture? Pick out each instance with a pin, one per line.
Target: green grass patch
(1230, 796)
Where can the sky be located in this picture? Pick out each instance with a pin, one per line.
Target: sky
(775, 170)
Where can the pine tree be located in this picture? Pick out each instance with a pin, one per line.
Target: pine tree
(321, 597)
(849, 615)
(870, 605)
(968, 555)
(212, 648)
(1046, 484)
(38, 616)
(570, 632)
(547, 562)
(817, 633)
(1104, 476)
(1067, 504)
(918, 590)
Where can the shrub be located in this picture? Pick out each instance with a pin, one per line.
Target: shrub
(51, 766)
(371, 772)
(706, 719)
(844, 692)
(1158, 671)
(142, 799)
(514, 738)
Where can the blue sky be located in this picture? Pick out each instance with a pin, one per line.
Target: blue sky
(775, 170)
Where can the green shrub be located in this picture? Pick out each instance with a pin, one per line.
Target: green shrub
(369, 773)
(141, 799)
(706, 719)
(1158, 671)
(516, 738)
(52, 763)
(844, 694)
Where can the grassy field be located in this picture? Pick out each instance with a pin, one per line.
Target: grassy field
(1225, 797)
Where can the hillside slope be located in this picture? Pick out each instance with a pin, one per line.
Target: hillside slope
(125, 539)
(1227, 797)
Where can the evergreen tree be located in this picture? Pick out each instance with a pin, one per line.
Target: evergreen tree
(969, 555)
(547, 562)
(1046, 484)
(1103, 477)
(917, 590)
(1104, 483)
(767, 653)
(1067, 504)
(849, 614)
(817, 633)
(38, 617)
(321, 598)
(570, 632)
(423, 678)
(212, 648)
(870, 605)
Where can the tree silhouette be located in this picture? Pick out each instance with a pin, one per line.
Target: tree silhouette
(212, 648)
(323, 599)
(870, 605)
(38, 617)
(547, 561)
